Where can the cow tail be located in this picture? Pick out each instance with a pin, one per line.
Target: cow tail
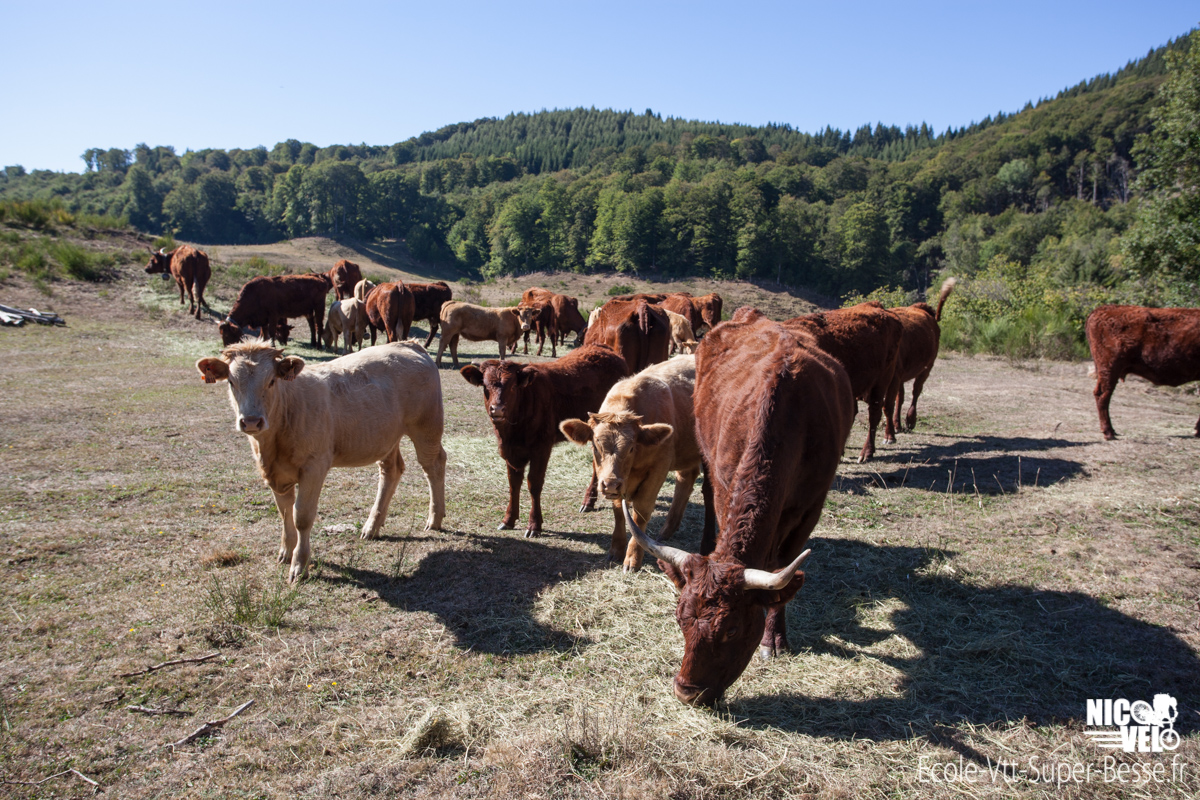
(644, 318)
(947, 287)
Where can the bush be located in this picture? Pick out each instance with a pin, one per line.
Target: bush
(888, 296)
(619, 288)
(242, 603)
(253, 267)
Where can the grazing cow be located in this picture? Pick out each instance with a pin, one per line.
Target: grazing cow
(526, 403)
(682, 338)
(362, 289)
(637, 330)
(919, 345)
(265, 303)
(539, 318)
(428, 299)
(773, 411)
(348, 319)
(866, 340)
(567, 318)
(645, 429)
(477, 324)
(349, 412)
(390, 308)
(344, 276)
(189, 267)
(1161, 345)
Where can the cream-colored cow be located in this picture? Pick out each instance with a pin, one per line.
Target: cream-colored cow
(347, 319)
(682, 338)
(362, 289)
(645, 429)
(477, 324)
(349, 412)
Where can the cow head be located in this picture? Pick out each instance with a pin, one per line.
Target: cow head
(721, 611)
(362, 289)
(527, 315)
(688, 347)
(710, 310)
(617, 438)
(253, 371)
(160, 262)
(502, 382)
(230, 333)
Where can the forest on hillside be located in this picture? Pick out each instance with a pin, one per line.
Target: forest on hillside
(1036, 200)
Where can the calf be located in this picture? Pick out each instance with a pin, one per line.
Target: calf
(643, 430)
(919, 344)
(866, 340)
(567, 318)
(390, 308)
(349, 412)
(1161, 345)
(526, 403)
(362, 289)
(348, 319)
(538, 318)
(428, 299)
(265, 303)
(189, 267)
(477, 324)
(344, 276)
(773, 411)
(637, 330)
(682, 338)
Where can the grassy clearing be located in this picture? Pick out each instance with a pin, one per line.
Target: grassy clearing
(968, 591)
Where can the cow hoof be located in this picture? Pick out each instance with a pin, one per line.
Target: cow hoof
(283, 556)
(531, 532)
(766, 653)
(892, 440)
(628, 567)
(504, 526)
(296, 573)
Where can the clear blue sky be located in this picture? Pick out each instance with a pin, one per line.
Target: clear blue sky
(230, 74)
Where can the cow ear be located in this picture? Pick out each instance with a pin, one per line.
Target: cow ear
(473, 374)
(526, 376)
(654, 434)
(780, 598)
(674, 573)
(213, 369)
(576, 430)
(289, 367)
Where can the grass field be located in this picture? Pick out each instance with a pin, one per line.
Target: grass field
(969, 590)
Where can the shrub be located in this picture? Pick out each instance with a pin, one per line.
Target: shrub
(888, 296)
(619, 288)
(242, 603)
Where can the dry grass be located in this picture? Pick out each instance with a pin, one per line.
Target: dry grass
(968, 591)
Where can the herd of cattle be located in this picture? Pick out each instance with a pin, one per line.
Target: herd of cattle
(761, 409)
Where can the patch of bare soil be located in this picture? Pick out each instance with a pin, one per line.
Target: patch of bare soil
(969, 590)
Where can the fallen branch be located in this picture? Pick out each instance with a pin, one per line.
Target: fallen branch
(177, 712)
(208, 657)
(209, 727)
(52, 777)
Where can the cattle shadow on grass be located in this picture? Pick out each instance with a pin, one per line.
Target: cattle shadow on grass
(485, 593)
(987, 465)
(962, 654)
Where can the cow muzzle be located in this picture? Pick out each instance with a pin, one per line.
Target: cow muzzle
(693, 695)
(252, 425)
(496, 413)
(612, 488)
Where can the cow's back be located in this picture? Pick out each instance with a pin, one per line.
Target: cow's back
(773, 412)
(1161, 345)
(428, 298)
(920, 339)
(864, 338)
(577, 383)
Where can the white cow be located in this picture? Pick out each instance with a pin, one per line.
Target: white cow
(347, 319)
(348, 412)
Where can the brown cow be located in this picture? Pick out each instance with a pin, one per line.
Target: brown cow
(638, 331)
(567, 317)
(645, 429)
(1161, 345)
(918, 351)
(428, 299)
(344, 276)
(390, 308)
(773, 412)
(539, 318)
(526, 403)
(866, 340)
(477, 324)
(349, 412)
(189, 267)
(266, 302)
(700, 312)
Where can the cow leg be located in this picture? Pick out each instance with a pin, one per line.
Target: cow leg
(526, 343)
(643, 508)
(179, 283)
(889, 402)
(454, 349)
(432, 458)
(589, 494)
(617, 548)
(553, 345)
(374, 330)
(1105, 384)
(910, 419)
(407, 330)
(502, 348)
(515, 475)
(441, 347)
(433, 326)
(193, 309)
(874, 412)
(684, 481)
(285, 501)
(537, 478)
(708, 540)
(308, 494)
(899, 404)
(200, 284)
(391, 467)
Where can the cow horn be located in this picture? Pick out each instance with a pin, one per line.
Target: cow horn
(672, 555)
(162, 251)
(774, 581)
